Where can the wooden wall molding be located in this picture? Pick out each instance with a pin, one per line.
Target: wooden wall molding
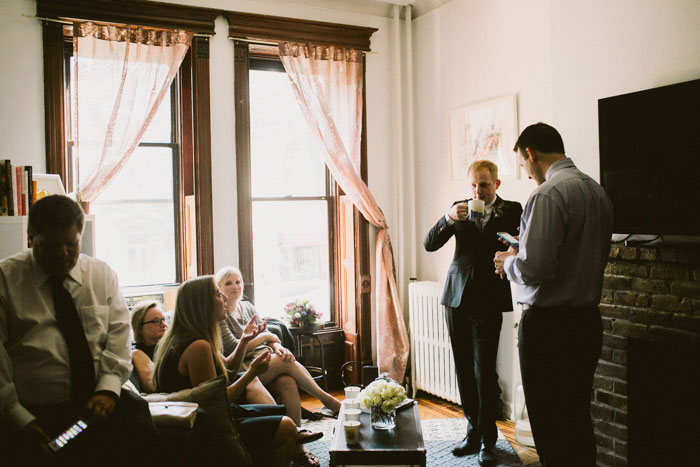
(143, 13)
(275, 28)
(202, 157)
(243, 167)
(54, 101)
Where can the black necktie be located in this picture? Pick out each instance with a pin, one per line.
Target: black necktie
(82, 370)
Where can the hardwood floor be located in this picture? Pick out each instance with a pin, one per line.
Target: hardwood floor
(431, 407)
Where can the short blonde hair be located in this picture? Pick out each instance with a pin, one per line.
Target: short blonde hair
(484, 164)
(223, 273)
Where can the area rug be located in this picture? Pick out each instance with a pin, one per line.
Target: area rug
(439, 437)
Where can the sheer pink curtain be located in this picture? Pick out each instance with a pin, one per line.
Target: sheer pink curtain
(119, 77)
(327, 82)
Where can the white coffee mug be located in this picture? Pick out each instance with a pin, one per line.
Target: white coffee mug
(351, 392)
(352, 415)
(476, 209)
(352, 432)
(351, 404)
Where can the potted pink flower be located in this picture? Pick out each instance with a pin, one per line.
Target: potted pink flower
(301, 313)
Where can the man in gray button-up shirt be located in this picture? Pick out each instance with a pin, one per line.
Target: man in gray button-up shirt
(565, 234)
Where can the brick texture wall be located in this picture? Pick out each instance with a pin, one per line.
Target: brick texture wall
(649, 292)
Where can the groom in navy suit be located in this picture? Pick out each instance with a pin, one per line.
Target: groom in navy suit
(475, 298)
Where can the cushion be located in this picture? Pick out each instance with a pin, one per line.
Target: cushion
(225, 444)
(173, 414)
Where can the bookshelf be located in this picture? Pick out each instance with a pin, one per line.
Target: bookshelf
(13, 232)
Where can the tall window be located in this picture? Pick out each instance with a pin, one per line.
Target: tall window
(292, 209)
(158, 213)
(284, 183)
(138, 212)
(137, 215)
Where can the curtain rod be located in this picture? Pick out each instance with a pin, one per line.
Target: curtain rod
(61, 21)
(255, 41)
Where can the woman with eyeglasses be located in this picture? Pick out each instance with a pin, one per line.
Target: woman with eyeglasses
(148, 323)
(190, 354)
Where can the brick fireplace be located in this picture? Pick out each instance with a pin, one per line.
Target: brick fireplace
(650, 307)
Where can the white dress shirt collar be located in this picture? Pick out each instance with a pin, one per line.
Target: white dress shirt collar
(41, 276)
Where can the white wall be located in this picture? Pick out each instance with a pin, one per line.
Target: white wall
(560, 58)
(21, 86)
(604, 48)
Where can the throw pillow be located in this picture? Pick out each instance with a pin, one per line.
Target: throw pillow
(226, 444)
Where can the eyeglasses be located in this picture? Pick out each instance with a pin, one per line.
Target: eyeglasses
(158, 321)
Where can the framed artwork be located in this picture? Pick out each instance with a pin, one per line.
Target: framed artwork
(487, 130)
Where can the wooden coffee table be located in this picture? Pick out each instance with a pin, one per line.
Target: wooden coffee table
(401, 446)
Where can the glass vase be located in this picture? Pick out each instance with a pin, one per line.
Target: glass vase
(381, 420)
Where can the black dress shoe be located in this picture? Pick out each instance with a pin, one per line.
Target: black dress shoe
(487, 456)
(469, 445)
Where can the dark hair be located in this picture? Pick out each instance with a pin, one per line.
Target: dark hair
(55, 210)
(540, 137)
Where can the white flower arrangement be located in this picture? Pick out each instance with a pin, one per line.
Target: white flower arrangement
(382, 393)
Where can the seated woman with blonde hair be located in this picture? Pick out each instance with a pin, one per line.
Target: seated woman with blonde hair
(190, 354)
(239, 312)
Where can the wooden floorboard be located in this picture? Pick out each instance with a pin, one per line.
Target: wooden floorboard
(431, 407)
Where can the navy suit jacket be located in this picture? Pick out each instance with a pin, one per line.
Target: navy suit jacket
(471, 280)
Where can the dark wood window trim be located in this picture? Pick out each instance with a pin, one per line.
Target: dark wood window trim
(202, 155)
(54, 103)
(196, 125)
(144, 13)
(243, 164)
(254, 27)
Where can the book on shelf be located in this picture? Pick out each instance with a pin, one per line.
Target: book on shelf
(6, 207)
(30, 187)
(17, 189)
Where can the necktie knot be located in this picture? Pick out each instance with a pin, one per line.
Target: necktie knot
(57, 281)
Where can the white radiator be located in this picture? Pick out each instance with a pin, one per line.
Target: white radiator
(432, 363)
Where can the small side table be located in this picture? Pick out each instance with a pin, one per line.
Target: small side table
(311, 332)
(401, 446)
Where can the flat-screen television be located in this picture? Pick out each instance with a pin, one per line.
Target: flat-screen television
(650, 159)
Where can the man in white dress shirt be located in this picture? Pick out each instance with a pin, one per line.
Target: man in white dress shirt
(57, 366)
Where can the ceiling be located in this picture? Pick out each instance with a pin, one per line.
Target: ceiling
(370, 7)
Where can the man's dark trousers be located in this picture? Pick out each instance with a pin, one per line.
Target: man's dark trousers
(474, 334)
(559, 349)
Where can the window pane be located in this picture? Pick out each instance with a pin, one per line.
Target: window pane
(160, 129)
(284, 153)
(148, 174)
(134, 220)
(290, 245)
